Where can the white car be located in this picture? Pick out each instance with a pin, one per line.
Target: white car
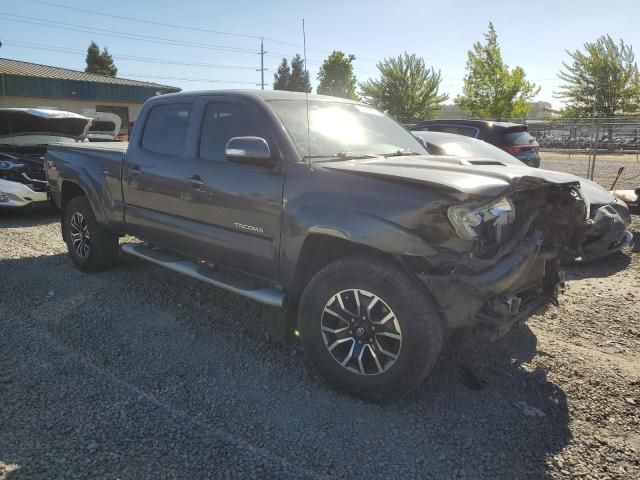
(25, 134)
(105, 127)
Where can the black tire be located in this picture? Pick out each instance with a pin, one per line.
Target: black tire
(102, 251)
(416, 313)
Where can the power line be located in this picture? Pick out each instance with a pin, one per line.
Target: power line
(125, 35)
(184, 27)
(53, 48)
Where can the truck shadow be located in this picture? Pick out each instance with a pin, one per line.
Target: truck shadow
(486, 411)
(27, 217)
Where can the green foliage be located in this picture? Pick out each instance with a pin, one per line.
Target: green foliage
(606, 74)
(100, 63)
(281, 77)
(491, 90)
(336, 76)
(407, 89)
(294, 79)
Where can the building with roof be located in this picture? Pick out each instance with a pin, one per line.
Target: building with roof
(24, 84)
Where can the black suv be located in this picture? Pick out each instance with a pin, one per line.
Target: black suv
(511, 137)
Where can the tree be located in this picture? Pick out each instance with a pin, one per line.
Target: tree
(100, 63)
(282, 76)
(407, 89)
(299, 81)
(294, 79)
(93, 58)
(606, 75)
(491, 90)
(336, 76)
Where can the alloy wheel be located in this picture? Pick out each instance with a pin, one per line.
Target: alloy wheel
(361, 332)
(79, 230)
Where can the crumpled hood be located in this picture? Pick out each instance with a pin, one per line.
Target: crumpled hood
(451, 174)
(596, 194)
(21, 122)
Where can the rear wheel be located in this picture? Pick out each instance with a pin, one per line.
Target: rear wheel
(91, 246)
(369, 328)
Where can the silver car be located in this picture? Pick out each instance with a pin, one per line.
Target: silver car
(609, 217)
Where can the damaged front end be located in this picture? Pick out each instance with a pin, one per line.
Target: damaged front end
(22, 177)
(510, 267)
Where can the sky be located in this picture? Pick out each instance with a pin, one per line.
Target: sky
(220, 42)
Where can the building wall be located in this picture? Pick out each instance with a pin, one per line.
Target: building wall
(25, 86)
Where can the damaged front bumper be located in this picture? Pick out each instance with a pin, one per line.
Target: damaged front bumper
(499, 296)
(15, 195)
(494, 283)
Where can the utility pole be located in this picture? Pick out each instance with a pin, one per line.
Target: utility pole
(262, 69)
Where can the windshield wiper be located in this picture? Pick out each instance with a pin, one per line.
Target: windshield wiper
(400, 153)
(335, 157)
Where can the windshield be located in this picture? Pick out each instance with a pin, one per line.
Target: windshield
(344, 130)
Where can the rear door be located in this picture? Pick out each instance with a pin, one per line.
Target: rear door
(156, 175)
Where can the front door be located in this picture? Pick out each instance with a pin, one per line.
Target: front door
(239, 205)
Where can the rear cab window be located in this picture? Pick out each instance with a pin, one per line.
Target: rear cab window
(166, 127)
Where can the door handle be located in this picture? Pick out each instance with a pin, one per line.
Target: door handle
(195, 181)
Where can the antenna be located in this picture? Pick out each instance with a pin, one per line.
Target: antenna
(306, 94)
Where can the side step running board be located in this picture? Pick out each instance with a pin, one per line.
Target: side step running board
(246, 288)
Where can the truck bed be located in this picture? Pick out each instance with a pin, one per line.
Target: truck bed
(100, 146)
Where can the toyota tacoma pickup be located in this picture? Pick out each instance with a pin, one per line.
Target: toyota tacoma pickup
(328, 208)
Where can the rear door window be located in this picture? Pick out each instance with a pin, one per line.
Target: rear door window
(165, 129)
(518, 138)
(223, 121)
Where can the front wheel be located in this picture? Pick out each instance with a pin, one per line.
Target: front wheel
(369, 328)
(91, 246)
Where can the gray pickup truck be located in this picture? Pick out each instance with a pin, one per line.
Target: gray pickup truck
(330, 209)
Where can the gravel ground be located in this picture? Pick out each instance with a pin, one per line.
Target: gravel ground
(138, 373)
(606, 169)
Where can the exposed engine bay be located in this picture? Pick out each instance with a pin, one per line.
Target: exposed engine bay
(24, 164)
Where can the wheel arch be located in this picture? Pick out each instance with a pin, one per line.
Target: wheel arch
(314, 236)
(71, 189)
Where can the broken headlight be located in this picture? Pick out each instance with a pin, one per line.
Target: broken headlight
(470, 220)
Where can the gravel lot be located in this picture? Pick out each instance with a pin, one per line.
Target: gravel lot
(607, 166)
(138, 373)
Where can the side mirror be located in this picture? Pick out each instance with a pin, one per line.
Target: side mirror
(253, 150)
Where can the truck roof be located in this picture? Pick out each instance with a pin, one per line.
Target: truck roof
(265, 95)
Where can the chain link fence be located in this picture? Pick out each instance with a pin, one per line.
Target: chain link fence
(590, 137)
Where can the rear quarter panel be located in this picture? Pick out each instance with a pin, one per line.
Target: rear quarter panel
(96, 168)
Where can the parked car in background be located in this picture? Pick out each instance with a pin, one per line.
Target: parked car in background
(609, 216)
(25, 134)
(331, 209)
(105, 127)
(513, 138)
